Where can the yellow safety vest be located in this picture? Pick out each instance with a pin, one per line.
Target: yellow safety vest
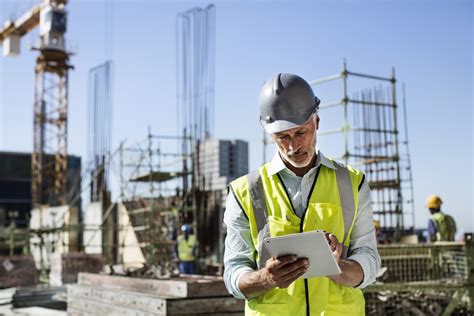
(445, 225)
(268, 208)
(186, 248)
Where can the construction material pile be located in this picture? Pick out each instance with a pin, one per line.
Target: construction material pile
(424, 279)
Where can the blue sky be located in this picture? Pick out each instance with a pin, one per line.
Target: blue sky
(428, 42)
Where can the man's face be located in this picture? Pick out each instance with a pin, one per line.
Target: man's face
(297, 145)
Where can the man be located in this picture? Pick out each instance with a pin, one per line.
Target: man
(299, 190)
(186, 249)
(441, 227)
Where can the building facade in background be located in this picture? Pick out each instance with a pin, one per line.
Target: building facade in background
(15, 187)
(220, 162)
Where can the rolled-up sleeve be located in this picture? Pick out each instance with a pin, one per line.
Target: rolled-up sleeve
(239, 249)
(363, 246)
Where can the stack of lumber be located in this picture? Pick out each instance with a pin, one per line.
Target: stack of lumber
(117, 295)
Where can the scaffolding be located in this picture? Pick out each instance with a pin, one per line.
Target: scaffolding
(154, 191)
(371, 143)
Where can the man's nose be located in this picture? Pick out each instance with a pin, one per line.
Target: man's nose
(294, 144)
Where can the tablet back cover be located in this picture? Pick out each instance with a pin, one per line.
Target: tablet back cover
(312, 245)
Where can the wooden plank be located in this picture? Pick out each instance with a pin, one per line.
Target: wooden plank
(147, 303)
(75, 312)
(128, 300)
(174, 287)
(91, 307)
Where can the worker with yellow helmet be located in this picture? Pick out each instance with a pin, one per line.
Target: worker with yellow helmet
(441, 227)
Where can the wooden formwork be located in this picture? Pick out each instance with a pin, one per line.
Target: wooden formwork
(115, 295)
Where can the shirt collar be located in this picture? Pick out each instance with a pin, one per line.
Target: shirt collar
(277, 164)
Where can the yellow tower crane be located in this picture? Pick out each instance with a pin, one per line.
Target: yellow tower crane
(49, 155)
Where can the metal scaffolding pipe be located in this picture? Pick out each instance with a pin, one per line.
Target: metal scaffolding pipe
(368, 76)
(325, 79)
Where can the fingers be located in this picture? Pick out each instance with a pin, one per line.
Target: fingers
(281, 272)
(290, 278)
(335, 245)
(289, 269)
(277, 263)
(332, 240)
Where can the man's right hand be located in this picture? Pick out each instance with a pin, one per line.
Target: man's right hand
(278, 272)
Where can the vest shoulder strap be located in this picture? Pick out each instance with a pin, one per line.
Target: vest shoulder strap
(257, 196)
(346, 195)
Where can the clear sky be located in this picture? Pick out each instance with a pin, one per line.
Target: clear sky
(428, 42)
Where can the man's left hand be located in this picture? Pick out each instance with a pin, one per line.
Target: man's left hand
(351, 271)
(335, 245)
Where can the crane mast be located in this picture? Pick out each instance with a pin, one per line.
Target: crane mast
(50, 106)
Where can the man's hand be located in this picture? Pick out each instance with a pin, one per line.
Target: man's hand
(335, 245)
(351, 271)
(279, 272)
(282, 271)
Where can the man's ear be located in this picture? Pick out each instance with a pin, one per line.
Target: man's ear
(317, 122)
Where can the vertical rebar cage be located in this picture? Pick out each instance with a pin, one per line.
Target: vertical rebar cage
(99, 128)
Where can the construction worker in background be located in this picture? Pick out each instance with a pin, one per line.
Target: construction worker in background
(299, 190)
(186, 250)
(441, 227)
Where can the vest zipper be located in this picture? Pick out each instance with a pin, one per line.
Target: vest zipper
(306, 290)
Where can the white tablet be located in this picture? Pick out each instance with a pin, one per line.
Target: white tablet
(311, 245)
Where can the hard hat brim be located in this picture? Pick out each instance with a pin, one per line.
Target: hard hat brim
(278, 126)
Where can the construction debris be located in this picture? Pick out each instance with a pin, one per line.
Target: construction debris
(424, 279)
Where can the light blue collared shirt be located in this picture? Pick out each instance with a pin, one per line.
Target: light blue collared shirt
(239, 248)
